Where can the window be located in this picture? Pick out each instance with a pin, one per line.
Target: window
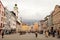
(0, 5)
(0, 11)
(4, 14)
(59, 6)
(1, 24)
(1, 18)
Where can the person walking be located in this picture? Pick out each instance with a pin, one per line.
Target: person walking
(53, 32)
(36, 34)
(2, 33)
(46, 33)
(49, 33)
(58, 32)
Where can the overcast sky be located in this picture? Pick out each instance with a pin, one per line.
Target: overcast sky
(32, 9)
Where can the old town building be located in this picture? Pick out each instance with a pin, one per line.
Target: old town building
(44, 24)
(56, 16)
(10, 20)
(16, 10)
(18, 19)
(18, 25)
(1, 16)
(48, 21)
(35, 26)
(13, 20)
(41, 24)
(7, 19)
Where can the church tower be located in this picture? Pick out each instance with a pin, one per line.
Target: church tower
(16, 10)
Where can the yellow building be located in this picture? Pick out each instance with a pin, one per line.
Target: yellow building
(35, 27)
(24, 28)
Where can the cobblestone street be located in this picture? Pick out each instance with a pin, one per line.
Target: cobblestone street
(27, 37)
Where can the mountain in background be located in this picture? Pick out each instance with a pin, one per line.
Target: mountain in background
(29, 22)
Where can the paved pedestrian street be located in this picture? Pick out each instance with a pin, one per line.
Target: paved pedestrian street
(27, 36)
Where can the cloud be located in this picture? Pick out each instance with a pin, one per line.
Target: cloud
(32, 9)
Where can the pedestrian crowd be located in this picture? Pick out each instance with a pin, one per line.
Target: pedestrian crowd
(48, 33)
(52, 32)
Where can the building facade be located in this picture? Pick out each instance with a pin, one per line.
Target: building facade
(35, 27)
(1, 16)
(48, 21)
(13, 20)
(56, 17)
(10, 20)
(7, 19)
(18, 25)
(41, 25)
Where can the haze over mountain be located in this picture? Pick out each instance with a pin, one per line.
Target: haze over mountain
(29, 22)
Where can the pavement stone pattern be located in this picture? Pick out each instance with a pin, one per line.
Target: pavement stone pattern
(27, 36)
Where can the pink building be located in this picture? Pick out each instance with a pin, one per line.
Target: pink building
(1, 15)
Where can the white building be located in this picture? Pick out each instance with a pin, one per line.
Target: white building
(13, 20)
(10, 20)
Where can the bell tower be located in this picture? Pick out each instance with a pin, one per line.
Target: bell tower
(16, 10)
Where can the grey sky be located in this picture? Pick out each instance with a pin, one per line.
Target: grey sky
(32, 9)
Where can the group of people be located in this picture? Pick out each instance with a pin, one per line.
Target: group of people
(52, 32)
(48, 33)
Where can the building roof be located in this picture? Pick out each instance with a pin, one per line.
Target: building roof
(18, 22)
(42, 20)
(13, 13)
(57, 7)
